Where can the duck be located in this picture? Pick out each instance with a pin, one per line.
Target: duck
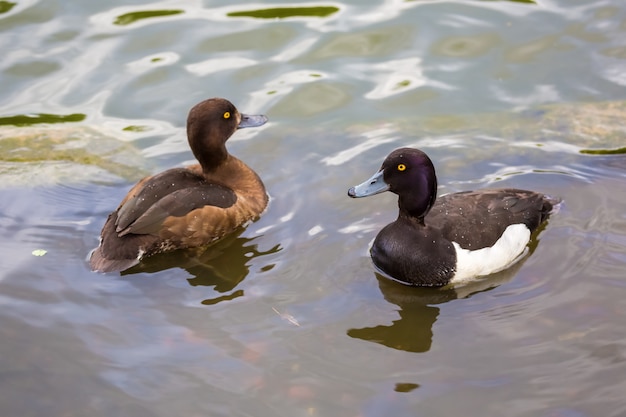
(455, 238)
(186, 207)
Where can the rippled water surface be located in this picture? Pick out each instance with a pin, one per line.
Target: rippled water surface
(288, 317)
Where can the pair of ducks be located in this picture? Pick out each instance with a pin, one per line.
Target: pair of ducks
(433, 242)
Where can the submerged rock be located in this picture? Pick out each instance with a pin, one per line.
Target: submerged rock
(68, 153)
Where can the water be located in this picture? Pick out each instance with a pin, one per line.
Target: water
(289, 318)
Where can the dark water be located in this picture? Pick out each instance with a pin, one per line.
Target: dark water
(288, 318)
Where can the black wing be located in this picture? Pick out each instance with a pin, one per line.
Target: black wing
(477, 219)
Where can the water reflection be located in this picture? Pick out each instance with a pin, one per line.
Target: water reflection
(221, 266)
(615, 151)
(512, 1)
(6, 6)
(466, 46)
(41, 118)
(128, 18)
(413, 331)
(285, 12)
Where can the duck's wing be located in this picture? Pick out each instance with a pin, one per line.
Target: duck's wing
(477, 219)
(173, 193)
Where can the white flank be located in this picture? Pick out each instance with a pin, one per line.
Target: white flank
(504, 253)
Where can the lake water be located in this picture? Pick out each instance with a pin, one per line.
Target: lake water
(289, 318)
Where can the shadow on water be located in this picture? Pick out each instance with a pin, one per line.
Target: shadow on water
(222, 265)
(413, 331)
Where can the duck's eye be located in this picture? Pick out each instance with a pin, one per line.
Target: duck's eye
(401, 167)
(227, 115)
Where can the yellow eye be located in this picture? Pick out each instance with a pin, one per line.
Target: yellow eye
(401, 167)
(227, 115)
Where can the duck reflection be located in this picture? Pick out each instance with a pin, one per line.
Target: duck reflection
(222, 265)
(413, 331)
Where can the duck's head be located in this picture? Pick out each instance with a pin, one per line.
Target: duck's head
(410, 174)
(209, 125)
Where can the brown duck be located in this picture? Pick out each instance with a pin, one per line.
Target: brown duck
(186, 207)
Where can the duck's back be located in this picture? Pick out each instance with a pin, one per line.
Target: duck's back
(179, 208)
(477, 219)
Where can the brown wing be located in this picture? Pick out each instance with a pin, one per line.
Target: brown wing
(173, 193)
(203, 225)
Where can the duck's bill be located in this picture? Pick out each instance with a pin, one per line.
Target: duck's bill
(375, 185)
(252, 120)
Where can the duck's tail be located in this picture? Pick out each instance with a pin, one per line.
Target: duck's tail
(118, 253)
(554, 202)
(100, 263)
